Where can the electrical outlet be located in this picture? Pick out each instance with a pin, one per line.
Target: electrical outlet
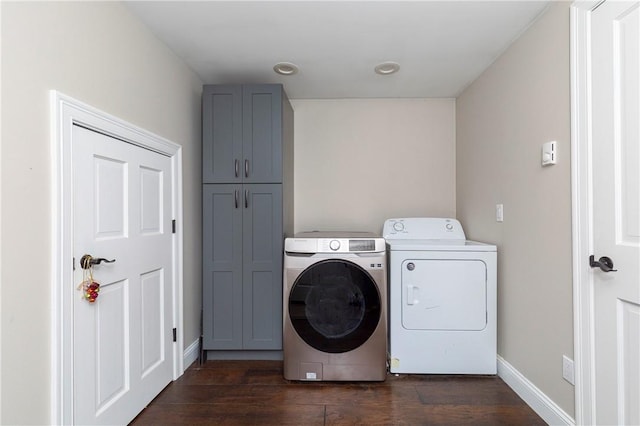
(567, 369)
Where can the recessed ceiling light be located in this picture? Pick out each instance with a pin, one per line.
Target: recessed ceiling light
(387, 68)
(285, 68)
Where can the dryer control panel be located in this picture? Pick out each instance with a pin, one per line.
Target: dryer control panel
(423, 228)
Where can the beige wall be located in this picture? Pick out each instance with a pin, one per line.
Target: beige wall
(503, 118)
(359, 162)
(97, 53)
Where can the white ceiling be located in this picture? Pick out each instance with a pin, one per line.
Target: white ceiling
(441, 46)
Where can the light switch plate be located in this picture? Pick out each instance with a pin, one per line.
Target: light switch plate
(549, 155)
(499, 213)
(567, 369)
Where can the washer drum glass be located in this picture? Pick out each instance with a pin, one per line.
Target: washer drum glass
(334, 306)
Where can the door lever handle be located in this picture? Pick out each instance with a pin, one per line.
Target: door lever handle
(604, 263)
(87, 261)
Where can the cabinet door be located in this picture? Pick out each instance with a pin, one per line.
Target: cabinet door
(262, 271)
(262, 133)
(222, 266)
(222, 160)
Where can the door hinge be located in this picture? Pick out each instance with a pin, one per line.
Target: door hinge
(175, 335)
(173, 226)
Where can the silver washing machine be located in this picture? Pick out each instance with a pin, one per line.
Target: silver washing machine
(335, 300)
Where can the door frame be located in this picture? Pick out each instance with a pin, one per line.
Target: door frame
(582, 210)
(65, 113)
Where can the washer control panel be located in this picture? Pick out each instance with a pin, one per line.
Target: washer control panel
(423, 228)
(303, 243)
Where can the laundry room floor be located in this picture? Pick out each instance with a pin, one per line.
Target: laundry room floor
(255, 393)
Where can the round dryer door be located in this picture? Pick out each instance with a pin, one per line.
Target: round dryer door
(334, 306)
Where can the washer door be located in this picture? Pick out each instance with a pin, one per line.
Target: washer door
(334, 306)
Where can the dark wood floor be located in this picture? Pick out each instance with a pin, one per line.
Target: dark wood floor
(255, 393)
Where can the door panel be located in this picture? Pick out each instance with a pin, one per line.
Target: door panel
(444, 294)
(222, 266)
(222, 134)
(262, 133)
(262, 311)
(111, 194)
(626, 112)
(629, 358)
(153, 326)
(262, 267)
(110, 327)
(151, 202)
(615, 72)
(123, 351)
(261, 222)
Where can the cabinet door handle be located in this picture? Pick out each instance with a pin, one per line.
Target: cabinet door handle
(237, 167)
(246, 168)
(246, 198)
(236, 197)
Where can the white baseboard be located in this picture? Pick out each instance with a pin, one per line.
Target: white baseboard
(534, 397)
(190, 354)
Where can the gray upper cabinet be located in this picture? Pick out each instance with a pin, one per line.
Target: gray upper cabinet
(247, 201)
(242, 133)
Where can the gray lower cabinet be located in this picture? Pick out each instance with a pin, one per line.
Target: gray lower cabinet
(242, 266)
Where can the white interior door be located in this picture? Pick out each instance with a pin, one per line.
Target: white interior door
(122, 343)
(615, 89)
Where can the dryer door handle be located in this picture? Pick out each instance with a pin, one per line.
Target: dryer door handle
(411, 294)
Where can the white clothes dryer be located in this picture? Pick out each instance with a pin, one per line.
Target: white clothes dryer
(335, 299)
(442, 298)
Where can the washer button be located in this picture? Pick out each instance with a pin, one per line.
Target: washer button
(334, 245)
(398, 226)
